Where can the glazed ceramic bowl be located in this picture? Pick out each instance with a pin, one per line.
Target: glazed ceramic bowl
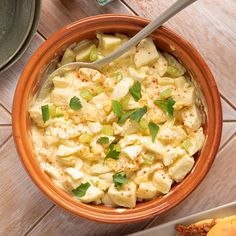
(165, 39)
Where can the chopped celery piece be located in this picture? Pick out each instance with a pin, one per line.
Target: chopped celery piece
(45, 113)
(85, 138)
(143, 124)
(124, 102)
(186, 144)
(86, 94)
(107, 130)
(173, 71)
(119, 76)
(93, 54)
(98, 89)
(52, 111)
(148, 159)
(59, 112)
(166, 93)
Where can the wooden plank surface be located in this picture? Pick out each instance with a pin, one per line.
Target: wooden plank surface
(210, 27)
(201, 24)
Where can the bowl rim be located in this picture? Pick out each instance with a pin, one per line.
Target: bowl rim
(60, 197)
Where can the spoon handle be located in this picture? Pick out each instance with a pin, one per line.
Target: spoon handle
(147, 30)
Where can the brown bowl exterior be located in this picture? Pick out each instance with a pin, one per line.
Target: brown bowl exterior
(163, 37)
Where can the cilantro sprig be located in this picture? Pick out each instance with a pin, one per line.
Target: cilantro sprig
(166, 106)
(112, 153)
(153, 128)
(75, 103)
(119, 179)
(81, 190)
(103, 140)
(135, 91)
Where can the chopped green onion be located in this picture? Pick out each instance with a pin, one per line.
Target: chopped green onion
(81, 190)
(75, 103)
(45, 113)
(85, 138)
(98, 89)
(166, 93)
(117, 108)
(119, 76)
(166, 106)
(153, 128)
(103, 140)
(86, 94)
(186, 144)
(173, 71)
(135, 91)
(119, 179)
(138, 114)
(93, 56)
(107, 130)
(52, 111)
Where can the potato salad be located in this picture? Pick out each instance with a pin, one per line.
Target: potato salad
(121, 135)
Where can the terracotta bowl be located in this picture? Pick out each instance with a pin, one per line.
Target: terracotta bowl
(165, 39)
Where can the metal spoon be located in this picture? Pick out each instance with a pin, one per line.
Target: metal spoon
(147, 30)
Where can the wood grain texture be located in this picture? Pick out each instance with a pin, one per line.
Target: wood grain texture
(21, 202)
(10, 77)
(208, 26)
(65, 12)
(59, 222)
(5, 116)
(217, 188)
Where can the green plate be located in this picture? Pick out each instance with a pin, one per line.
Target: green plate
(16, 19)
(28, 39)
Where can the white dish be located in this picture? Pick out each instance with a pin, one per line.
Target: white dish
(168, 229)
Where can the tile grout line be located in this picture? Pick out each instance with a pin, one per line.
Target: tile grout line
(39, 220)
(226, 142)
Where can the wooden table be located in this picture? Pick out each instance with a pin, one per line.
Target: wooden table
(210, 26)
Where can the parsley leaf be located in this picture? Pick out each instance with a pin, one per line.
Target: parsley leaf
(166, 106)
(117, 108)
(138, 114)
(103, 140)
(119, 179)
(113, 154)
(125, 116)
(81, 190)
(45, 113)
(153, 128)
(135, 91)
(75, 103)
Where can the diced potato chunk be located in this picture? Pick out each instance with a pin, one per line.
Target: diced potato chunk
(162, 181)
(181, 168)
(98, 169)
(146, 53)
(126, 196)
(108, 41)
(74, 173)
(93, 194)
(132, 151)
(192, 118)
(66, 151)
(146, 190)
(197, 140)
(122, 88)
